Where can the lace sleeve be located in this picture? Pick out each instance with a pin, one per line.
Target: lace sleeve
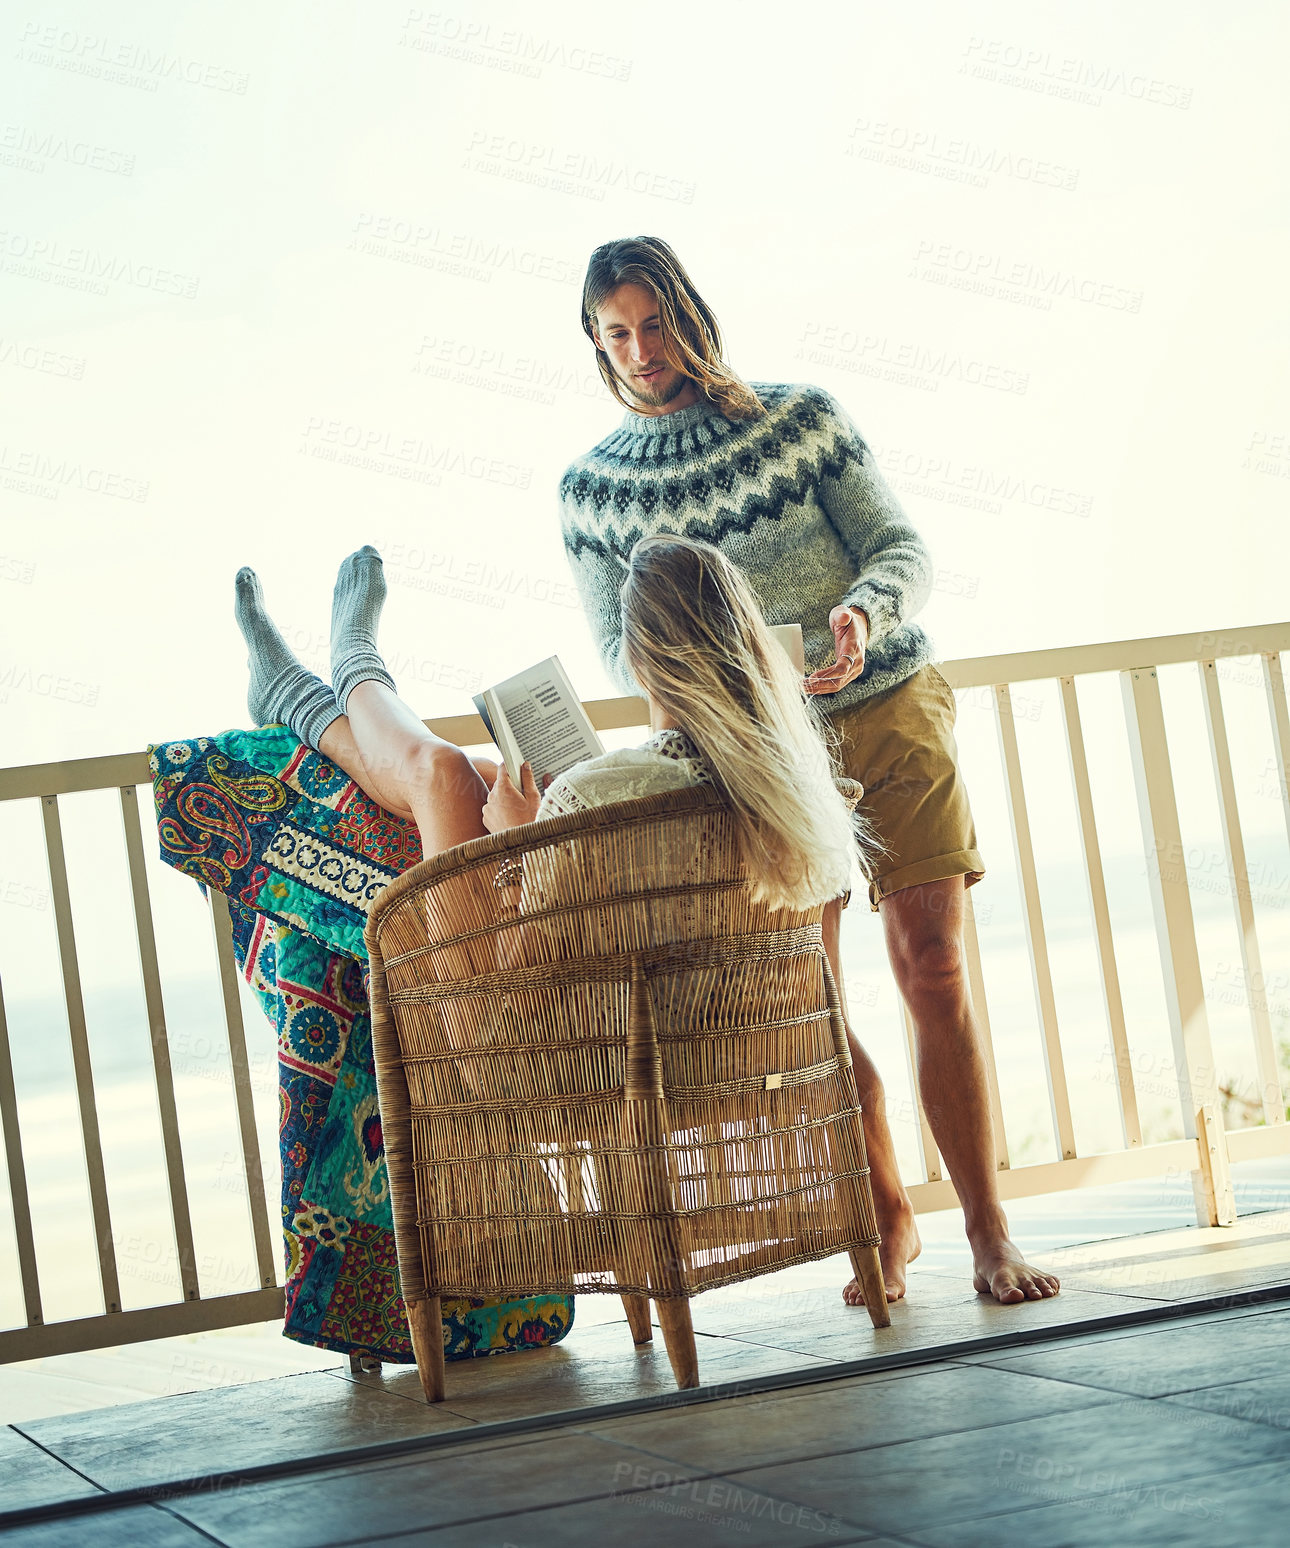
(559, 799)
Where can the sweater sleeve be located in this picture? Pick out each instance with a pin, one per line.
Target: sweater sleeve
(893, 566)
(598, 575)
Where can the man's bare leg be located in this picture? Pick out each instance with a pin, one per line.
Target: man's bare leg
(900, 1244)
(924, 933)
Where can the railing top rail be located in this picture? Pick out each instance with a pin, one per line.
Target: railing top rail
(105, 773)
(1117, 655)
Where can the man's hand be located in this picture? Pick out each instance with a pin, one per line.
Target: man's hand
(851, 634)
(508, 807)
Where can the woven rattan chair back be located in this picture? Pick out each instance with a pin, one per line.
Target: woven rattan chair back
(603, 1067)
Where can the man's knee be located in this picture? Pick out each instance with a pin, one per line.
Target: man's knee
(931, 964)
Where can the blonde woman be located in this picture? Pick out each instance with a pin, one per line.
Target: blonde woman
(726, 707)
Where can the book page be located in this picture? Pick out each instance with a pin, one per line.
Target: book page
(494, 717)
(790, 637)
(547, 719)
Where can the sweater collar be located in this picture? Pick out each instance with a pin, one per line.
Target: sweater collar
(668, 424)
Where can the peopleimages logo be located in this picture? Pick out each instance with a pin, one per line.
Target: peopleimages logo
(1060, 75)
(993, 274)
(952, 156)
(22, 253)
(36, 472)
(578, 172)
(506, 48)
(904, 361)
(22, 677)
(35, 357)
(31, 149)
(383, 450)
(469, 363)
(459, 252)
(92, 54)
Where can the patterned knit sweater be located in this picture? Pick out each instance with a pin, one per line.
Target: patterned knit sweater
(794, 499)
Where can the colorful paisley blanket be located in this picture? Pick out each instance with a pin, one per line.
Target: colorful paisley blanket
(300, 851)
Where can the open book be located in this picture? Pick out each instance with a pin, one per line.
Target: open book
(536, 716)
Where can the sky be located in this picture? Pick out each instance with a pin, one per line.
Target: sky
(1036, 253)
(278, 282)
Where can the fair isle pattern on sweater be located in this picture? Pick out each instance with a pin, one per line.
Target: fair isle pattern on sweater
(794, 500)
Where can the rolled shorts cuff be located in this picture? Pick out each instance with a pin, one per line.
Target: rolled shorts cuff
(962, 862)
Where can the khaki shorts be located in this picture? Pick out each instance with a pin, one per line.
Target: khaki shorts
(900, 745)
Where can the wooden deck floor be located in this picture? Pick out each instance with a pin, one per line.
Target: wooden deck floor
(1064, 1432)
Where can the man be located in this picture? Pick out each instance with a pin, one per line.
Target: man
(781, 480)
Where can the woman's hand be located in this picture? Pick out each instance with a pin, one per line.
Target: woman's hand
(508, 807)
(851, 632)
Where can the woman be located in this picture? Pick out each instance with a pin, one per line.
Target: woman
(726, 707)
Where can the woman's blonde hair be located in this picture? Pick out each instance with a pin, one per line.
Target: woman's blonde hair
(696, 639)
(690, 335)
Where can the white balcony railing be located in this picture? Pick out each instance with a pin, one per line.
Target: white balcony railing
(1206, 1149)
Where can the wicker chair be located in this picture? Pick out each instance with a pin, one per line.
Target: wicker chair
(603, 1067)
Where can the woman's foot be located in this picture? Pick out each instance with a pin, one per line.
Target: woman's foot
(282, 691)
(355, 617)
(899, 1247)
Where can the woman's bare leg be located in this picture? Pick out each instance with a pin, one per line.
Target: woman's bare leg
(338, 744)
(381, 744)
(433, 779)
(419, 777)
(415, 770)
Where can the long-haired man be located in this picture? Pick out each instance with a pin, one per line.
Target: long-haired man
(780, 479)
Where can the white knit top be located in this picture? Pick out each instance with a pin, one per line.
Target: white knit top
(667, 760)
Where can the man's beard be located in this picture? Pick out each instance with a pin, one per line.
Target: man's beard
(654, 397)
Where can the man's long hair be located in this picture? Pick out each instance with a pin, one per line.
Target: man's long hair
(690, 335)
(696, 639)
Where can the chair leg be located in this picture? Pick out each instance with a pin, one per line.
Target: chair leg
(678, 1335)
(425, 1324)
(638, 1319)
(868, 1270)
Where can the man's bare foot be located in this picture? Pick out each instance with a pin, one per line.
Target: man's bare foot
(900, 1245)
(1001, 1271)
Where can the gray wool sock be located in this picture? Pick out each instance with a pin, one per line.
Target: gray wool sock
(355, 616)
(282, 691)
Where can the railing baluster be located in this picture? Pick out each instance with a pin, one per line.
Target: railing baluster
(20, 1201)
(1271, 1098)
(976, 984)
(151, 973)
(1176, 940)
(81, 1065)
(1274, 686)
(251, 1169)
(1130, 1122)
(927, 1151)
(1054, 1064)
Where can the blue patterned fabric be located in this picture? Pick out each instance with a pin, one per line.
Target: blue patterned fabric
(300, 852)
